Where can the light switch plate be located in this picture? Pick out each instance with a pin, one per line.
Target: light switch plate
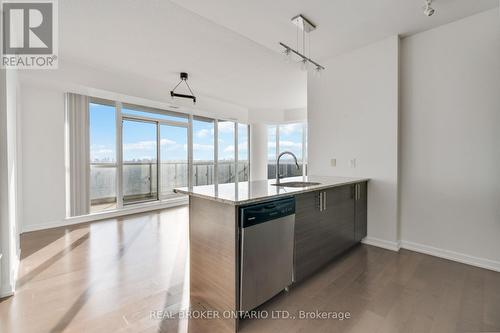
(352, 163)
(333, 162)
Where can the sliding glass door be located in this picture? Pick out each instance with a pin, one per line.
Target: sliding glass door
(173, 158)
(140, 159)
(141, 154)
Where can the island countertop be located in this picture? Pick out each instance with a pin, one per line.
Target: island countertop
(254, 191)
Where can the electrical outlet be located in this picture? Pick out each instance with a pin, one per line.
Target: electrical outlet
(333, 162)
(352, 163)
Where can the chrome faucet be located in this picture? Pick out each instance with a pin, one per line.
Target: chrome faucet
(278, 164)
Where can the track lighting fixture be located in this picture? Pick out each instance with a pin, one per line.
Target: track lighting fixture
(306, 27)
(428, 10)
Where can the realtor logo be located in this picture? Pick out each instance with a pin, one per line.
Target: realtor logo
(29, 34)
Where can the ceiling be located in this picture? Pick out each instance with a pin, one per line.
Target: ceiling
(342, 25)
(161, 39)
(230, 48)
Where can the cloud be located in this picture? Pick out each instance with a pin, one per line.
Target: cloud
(290, 129)
(290, 144)
(225, 127)
(199, 146)
(141, 145)
(148, 145)
(205, 132)
(229, 149)
(164, 142)
(243, 146)
(102, 151)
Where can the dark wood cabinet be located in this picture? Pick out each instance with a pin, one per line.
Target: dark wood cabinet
(361, 211)
(337, 220)
(307, 235)
(327, 223)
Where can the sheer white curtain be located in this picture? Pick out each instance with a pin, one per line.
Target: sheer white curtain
(77, 155)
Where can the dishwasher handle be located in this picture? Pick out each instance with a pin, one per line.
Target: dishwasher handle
(263, 212)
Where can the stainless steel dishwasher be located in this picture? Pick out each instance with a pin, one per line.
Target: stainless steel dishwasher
(267, 242)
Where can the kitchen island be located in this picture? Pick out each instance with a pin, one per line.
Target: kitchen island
(330, 217)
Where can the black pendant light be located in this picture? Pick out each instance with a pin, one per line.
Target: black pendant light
(184, 78)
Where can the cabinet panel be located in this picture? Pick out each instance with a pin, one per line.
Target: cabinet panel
(337, 221)
(322, 235)
(361, 215)
(308, 237)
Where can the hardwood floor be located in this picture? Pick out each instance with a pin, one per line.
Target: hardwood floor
(109, 276)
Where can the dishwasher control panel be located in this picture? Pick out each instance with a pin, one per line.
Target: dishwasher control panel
(262, 212)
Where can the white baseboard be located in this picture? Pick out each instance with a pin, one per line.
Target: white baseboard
(434, 251)
(385, 244)
(452, 255)
(174, 202)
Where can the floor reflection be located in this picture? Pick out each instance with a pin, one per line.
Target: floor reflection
(110, 276)
(105, 276)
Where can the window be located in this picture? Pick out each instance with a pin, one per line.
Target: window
(153, 153)
(226, 167)
(102, 131)
(173, 158)
(203, 151)
(287, 137)
(140, 164)
(243, 160)
(271, 151)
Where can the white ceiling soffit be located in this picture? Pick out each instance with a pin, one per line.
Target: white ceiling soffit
(157, 39)
(342, 24)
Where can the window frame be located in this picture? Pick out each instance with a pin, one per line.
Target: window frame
(118, 164)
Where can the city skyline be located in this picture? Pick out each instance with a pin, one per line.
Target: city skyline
(140, 144)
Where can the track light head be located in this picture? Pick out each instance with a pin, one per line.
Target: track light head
(287, 54)
(304, 64)
(428, 10)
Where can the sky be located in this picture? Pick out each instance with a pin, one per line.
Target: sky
(290, 139)
(139, 138)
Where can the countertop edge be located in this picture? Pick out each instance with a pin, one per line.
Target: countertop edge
(269, 197)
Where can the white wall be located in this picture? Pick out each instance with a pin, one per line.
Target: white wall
(450, 137)
(43, 169)
(71, 77)
(42, 123)
(277, 116)
(353, 114)
(258, 151)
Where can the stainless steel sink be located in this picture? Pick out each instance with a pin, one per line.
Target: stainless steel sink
(296, 184)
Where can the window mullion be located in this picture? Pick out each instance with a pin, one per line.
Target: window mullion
(190, 151)
(236, 152)
(119, 155)
(216, 152)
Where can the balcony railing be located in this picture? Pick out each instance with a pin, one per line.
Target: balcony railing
(139, 178)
